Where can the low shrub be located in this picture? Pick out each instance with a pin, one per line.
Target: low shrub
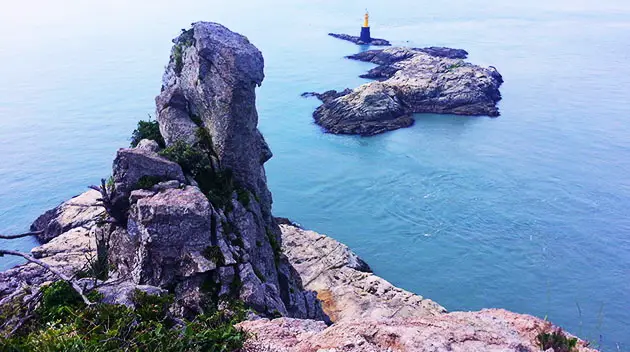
(147, 130)
(557, 341)
(195, 160)
(147, 182)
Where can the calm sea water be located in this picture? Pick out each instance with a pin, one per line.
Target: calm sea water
(527, 212)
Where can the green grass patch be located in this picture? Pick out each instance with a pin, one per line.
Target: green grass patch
(64, 323)
(147, 182)
(275, 246)
(557, 340)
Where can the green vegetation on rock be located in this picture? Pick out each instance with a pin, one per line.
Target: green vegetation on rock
(213, 254)
(195, 160)
(275, 246)
(147, 130)
(64, 323)
(557, 341)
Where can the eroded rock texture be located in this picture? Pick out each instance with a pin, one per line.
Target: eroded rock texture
(490, 330)
(428, 80)
(344, 283)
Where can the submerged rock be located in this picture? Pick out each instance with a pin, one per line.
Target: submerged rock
(428, 80)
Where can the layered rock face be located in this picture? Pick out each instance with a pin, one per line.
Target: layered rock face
(429, 80)
(371, 315)
(489, 330)
(345, 284)
(180, 234)
(68, 229)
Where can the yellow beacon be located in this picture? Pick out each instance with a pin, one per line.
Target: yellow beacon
(365, 36)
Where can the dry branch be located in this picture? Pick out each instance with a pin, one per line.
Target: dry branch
(11, 237)
(57, 273)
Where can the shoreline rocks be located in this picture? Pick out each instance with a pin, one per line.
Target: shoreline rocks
(345, 284)
(358, 41)
(408, 81)
(488, 330)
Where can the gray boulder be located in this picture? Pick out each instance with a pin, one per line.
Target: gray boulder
(170, 231)
(80, 211)
(123, 292)
(131, 164)
(149, 145)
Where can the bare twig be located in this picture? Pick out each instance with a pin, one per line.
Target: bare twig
(57, 273)
(11, 237)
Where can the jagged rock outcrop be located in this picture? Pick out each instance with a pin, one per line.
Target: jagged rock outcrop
(132, 164)
(358, 41)
(80, 211)
(210, 82)
(429, 80)
(188, 238)
(344, 283)
(371, 315)
(68, 233)
(489, 330)
(196, 218)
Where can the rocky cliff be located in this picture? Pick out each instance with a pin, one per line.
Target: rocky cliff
(371, 315)
(409, 80)
(193, 218)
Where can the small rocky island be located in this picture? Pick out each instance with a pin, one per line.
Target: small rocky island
(365, 37)
(180, 251)
(359, 41)
(408, 81)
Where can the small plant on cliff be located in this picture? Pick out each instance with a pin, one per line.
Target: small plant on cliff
(184, 41)
(243, 196)
(275, 246)
(147, 182)
(214, 254)
(218, 185)
(147, 130)
(557, 341)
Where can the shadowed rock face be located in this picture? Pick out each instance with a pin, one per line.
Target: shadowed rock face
(429, 80)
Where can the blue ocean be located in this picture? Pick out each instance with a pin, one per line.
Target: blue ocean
(529, 211)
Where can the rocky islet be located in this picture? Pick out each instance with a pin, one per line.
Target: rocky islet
(408, 81)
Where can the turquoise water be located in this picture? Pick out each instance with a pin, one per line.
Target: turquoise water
(527, 212)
